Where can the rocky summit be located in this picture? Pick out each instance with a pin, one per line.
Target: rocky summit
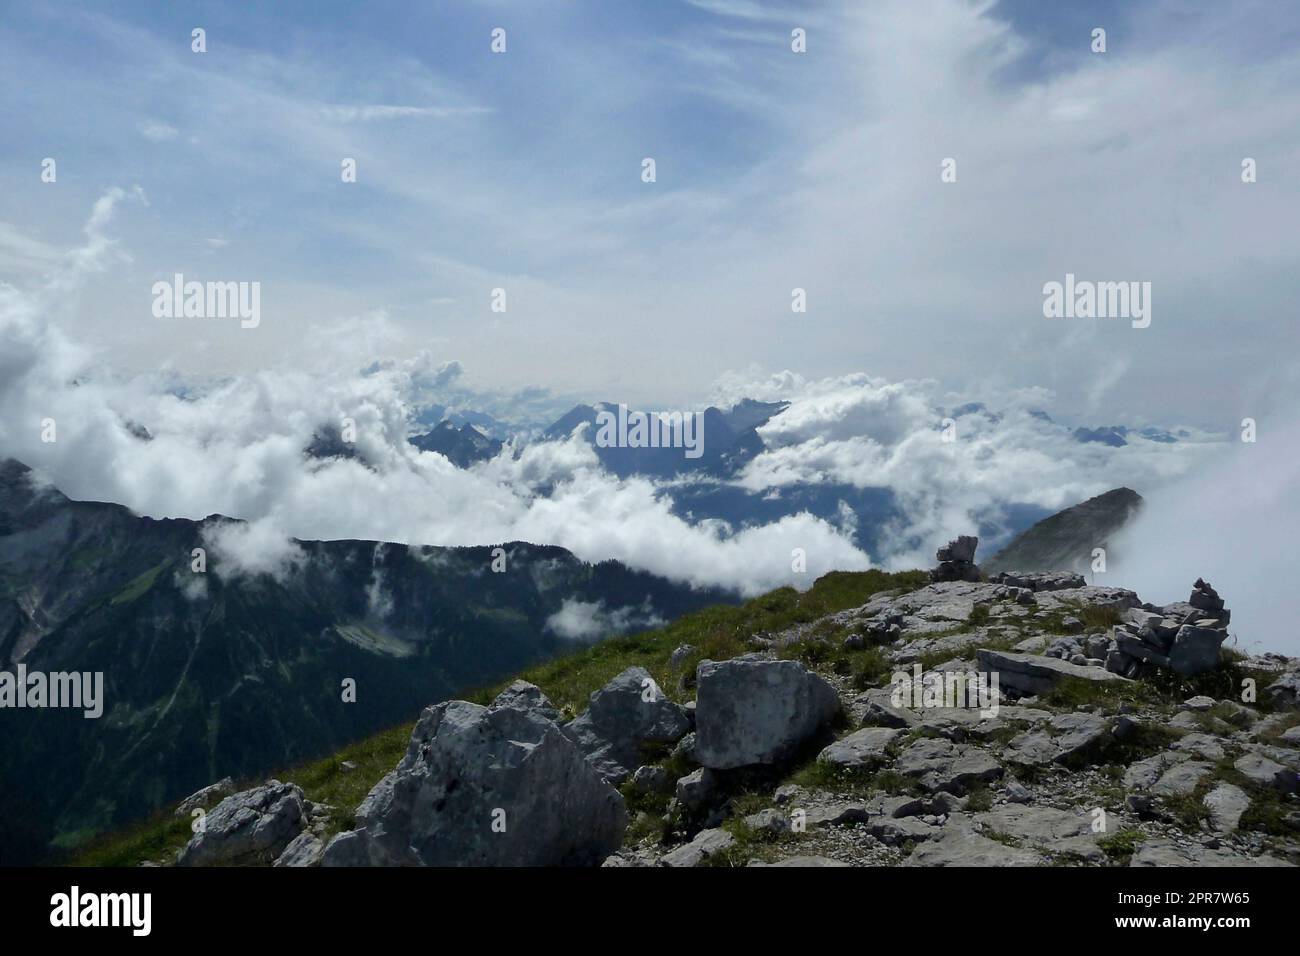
(1029, 720)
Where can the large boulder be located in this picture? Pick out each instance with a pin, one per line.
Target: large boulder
(485, 786)
(1196, 649)
(250, 827)
(622, 717)
(750, 711)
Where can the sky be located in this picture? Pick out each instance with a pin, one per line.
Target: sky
(775, 171)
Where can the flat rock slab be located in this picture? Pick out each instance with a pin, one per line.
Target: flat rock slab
(1160, 852)
(1181, 779)
(1032, 674)
(707, 843)
(1056, 831)
(1143, 774)
(1266, 772)
(837, 814)
(809, 861)
(942, 765)
(862, 748)
(960, 846)
(1202, 745)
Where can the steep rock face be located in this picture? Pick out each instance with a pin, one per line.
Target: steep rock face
(1066, 540)
(228, 673)
(485, 786)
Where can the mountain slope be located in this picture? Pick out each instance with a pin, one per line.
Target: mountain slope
(230, 673)
(1065, 540)
(462, 446)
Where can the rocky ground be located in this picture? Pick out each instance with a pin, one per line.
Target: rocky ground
(1027, 721)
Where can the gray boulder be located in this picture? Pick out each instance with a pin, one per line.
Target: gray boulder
(1266, 772)
(697, 789)
(485, 786)
(527, 697)
(206, 797)
(1226, 804)
(622, 717)
(862, 748)
(1285, 691)
(651, 779)
(1196, 649)
(757, 711)
(304, 850)
(250, 827)
(707, 843)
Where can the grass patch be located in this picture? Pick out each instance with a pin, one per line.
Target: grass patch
(1121, 846)
(1071, 692)
(139, 585)
(717, 633)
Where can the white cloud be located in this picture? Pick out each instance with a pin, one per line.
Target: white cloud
(578, 620)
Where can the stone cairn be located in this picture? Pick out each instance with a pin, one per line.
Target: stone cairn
(1185, 637)
(957, 560)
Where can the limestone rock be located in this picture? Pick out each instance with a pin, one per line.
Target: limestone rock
(1031, 674)
(758, 711)
(305, 850)
(862, 748)
(707, 843)
(485, 786)
(206, 797)
(527, 697)
(254, 826)
(1226, 804)
(621, 718)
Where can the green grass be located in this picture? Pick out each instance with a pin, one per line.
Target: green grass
(1121, 846)
(323, 781)
(1070, 692)
(140, 585)
(718, 633)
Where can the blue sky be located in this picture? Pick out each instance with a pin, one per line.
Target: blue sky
(775, 171)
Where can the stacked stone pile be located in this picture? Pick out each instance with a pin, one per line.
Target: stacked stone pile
(957, 560)
(1185, 637)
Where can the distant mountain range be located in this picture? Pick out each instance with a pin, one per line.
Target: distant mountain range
(461, 446)
(731, 441)
(228, 673)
